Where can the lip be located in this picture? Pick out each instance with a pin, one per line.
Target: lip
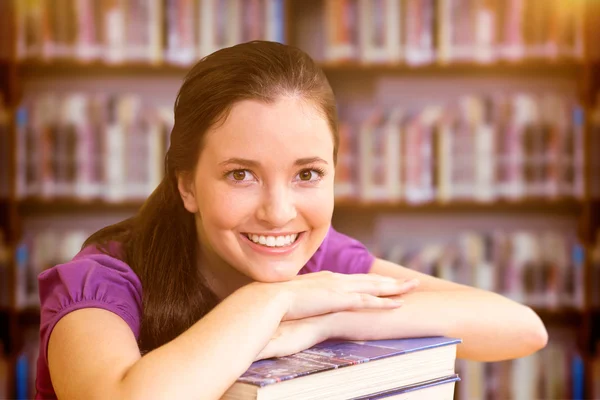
(274, 250)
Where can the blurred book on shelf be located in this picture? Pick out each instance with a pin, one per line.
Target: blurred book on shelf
(555, 372)
(90, 146)
(25, 365)
(146, 31)
(5, 151)
(37, 251)
(479, 148)
(594, 256)
(419, 32)
(538, 268)
(594, 149)
(5, 275)
(543, 269)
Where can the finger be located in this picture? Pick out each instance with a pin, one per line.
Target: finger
(409, 285)
(330, 301)
(365, 301)
(380, 287)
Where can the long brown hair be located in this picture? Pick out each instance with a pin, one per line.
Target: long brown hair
(160, 242)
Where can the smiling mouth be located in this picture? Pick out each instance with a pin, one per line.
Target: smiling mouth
(273, 241)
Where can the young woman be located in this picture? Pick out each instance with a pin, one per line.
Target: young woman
(233, 259)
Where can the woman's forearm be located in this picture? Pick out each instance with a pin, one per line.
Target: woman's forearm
(206, 359)
(492, 327)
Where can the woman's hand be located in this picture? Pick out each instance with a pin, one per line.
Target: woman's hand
(327, 292)
(296, 335)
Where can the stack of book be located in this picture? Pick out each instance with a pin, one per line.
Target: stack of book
(418, 368)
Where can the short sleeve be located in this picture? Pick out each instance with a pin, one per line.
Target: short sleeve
(342, 254)
(89, 281)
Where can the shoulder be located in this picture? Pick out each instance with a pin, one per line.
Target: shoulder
(91, 280)
(340, 253)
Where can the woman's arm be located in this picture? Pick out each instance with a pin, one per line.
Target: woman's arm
(92, 353)
(492, 327)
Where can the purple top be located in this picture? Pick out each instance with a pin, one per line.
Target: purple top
(93, 279)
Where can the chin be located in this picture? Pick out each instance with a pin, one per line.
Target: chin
(274, 273)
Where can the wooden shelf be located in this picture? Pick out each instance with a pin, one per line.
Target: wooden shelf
(95, 68)
(561, 316)
(29, 316)
(525, 206)
(526, 67)
(71, 205)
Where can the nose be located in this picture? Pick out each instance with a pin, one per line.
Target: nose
(277, 207)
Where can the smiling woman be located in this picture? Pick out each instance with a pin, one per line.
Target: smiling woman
(235, 249)
(265, 173)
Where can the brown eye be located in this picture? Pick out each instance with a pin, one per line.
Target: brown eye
(305, 175)
(239, 175)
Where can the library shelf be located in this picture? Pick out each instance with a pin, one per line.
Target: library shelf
(566, 316)
(98, 68)
(36, 206)
(566, 206)
(63, 205)
(524, 67)
(28, 316)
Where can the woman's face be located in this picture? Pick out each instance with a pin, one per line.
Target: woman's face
(262, 190)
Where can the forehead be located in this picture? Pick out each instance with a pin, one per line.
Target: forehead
(283, 131)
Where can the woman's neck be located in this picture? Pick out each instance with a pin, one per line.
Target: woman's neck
(221, 277)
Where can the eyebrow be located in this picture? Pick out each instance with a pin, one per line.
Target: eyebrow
(253, 163)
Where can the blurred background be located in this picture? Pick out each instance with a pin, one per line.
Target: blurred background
(470, 148)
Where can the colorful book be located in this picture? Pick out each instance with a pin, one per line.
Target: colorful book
(352, 370)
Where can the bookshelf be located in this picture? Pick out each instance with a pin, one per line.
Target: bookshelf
(300, 29)
(96, 68)
(568, 207)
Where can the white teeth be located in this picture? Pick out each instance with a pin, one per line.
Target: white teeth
(273, 241)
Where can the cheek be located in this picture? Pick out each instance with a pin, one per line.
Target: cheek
(317, 206)
(226, 209)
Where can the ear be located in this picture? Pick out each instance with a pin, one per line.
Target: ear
(185, 185)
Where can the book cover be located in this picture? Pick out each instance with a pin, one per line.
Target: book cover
(335, 354)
